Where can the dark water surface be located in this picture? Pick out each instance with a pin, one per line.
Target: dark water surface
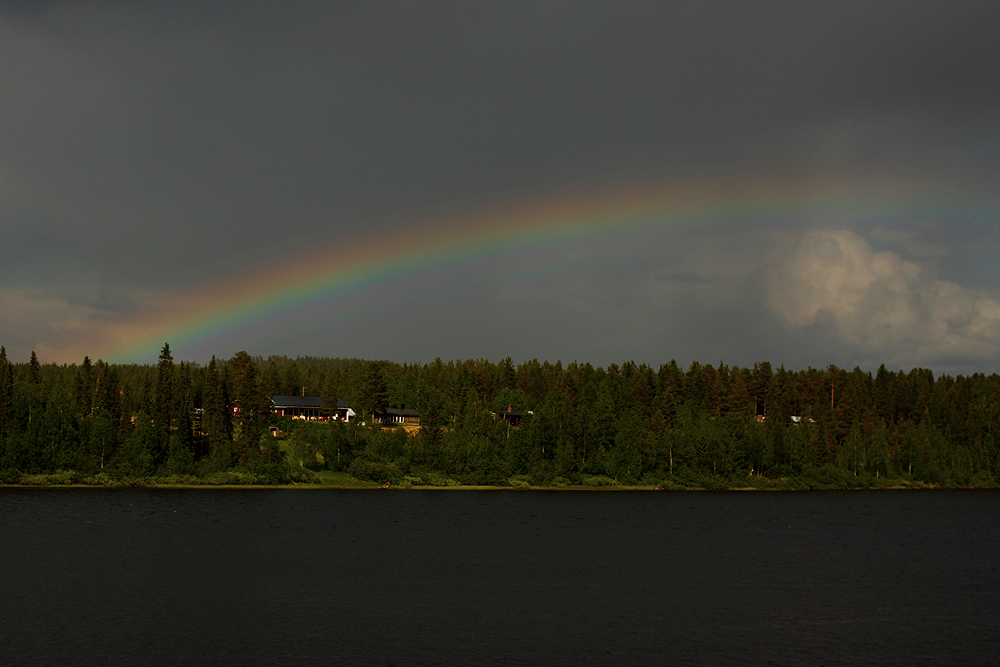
(275, 577)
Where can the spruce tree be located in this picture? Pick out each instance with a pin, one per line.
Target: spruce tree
(293, 380)
(34, 370)
(83, 389)
(164, 401)
(216, 419)
(375, 390)
(254, 405)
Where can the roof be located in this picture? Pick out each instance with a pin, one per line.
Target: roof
(404, 412)
(297, 401)
(511, 412)
(305, 402)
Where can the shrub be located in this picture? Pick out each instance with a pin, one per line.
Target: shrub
(437, 479)
(229, 478)
(375, 471)
(600, 480)
(129, 480)
(52, 478)
(187, 480)
(832, 477)
(302, 476)
(10, 476)
(302, 455)
(518, 482)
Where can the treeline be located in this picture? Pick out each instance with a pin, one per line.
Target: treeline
(707, 426)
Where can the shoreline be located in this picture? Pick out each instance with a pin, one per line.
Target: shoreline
(360, 485)
(341, 480)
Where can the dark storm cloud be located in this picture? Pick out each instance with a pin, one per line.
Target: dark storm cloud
(155, 146)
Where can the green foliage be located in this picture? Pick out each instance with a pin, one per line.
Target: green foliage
(303, 454)
(432, 478)
(374, 394)
(60, 477)
(510, 397)
(180, 458)
(254, 406)
(375, 470)
(519, 482)
(599, 480)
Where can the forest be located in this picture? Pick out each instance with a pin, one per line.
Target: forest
(708, 427)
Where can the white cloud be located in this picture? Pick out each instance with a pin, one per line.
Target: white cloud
(880, 302)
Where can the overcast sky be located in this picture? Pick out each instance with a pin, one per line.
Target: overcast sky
(150, 151)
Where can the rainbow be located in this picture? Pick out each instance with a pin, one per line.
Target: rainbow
(340, 275)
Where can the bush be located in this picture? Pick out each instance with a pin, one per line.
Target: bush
(230, 478)
(129, 480)
(104, 479)
(779, 471)
(186, 480)
(518, 482)
(832, 477)
(375, 471)
(600, 480)
(10, 476)
(302, 455)
(302, 476)
(34, 480)
(59, 477)
(437, 479)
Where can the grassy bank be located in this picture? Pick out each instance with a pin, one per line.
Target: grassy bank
(326, 479)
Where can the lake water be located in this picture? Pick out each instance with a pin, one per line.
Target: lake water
(276, 577)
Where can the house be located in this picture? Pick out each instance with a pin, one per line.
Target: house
(397, 416)
(299, 407)
(511, 416)
(310, 408)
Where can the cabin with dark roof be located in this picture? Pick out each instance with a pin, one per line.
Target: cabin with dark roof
(310, 408)
(299, 407)
(511, 416)
(397, 416)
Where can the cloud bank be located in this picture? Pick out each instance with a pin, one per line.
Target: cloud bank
(882, 303)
